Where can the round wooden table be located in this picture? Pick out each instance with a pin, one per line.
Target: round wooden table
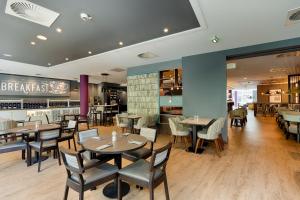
(122, 144)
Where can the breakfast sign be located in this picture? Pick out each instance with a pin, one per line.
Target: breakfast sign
(13, 85)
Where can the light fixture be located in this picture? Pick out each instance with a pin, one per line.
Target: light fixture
(7, 55)
(66, 59)
(85, 17)
(41, 37)
(245, 78)
(59, 30)
(147, 55)
(231, 65)
(166, 30)
(89, 52)
(121, 43)
(32, 43)
(215, 39)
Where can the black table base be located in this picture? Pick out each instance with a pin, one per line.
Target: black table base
(111, 190)
(191, 149)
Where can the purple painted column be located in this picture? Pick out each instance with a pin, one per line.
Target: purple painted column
(84, 95)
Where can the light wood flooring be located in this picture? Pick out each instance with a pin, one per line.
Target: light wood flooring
(257, 164)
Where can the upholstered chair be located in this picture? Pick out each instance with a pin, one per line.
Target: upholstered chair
(68, 133)
(122, 122)
(292, 125)
(178, 130)
(83, 177)
(147, 174)
(142, 153)
(141, 122)
(238, 117)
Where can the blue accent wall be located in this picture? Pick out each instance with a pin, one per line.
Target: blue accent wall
(175, 101)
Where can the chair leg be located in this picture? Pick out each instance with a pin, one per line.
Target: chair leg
(39, 165)
(151, 191)
(217, 147)
(119, 189)
(28, 156)
(166, 188)
(66, 192)
(231, 123)
(74, 142)
(69, 144)
(81, 195)
(186, 142)
(23, 154)
(58, 156)
(197, 144)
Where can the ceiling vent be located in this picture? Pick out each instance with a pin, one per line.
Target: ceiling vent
(117, 70)
(293, 16)
(32, 12)
(147, 55)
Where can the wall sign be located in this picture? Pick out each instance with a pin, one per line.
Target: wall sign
(32, 86)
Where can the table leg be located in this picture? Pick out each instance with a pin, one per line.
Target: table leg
(111, 189)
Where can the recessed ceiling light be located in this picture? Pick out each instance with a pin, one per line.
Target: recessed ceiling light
(85, 17)
(7, 55)
(49, 64)
(166, 30)
(147, 55)
(41, 37)
(245, 78)
(121, 43)
(59, 30)
(89, 52)
(215, 39)
(32, 43)
(66, 59)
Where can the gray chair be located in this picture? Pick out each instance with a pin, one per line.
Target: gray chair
(147, 174)
(47, 141)
(142, 153)
(82, 177)
(69, 133)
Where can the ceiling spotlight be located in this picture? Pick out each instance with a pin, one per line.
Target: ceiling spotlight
(32, 43)
(85, 17)
(59, 30)
(166, 30)
(7, 55)
(41, 37)
(245, 78)
(89, 52)
(66, 59)
(215, 39)
(49, 64)
(121, 43)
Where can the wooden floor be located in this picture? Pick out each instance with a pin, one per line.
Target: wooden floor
(258, 163)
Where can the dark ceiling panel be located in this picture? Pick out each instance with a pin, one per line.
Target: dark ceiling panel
(130, 21)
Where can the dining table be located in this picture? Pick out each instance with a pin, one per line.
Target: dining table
(27, 129)
(107, 145)
(196, 123)
(131, 118)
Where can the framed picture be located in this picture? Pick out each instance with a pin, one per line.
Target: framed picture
(275, 96)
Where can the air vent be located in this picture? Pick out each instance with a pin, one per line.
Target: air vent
(117, 70)
(147, 55)
(293, 16)
(31, 12)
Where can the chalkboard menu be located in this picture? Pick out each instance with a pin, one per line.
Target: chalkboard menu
(12, 85)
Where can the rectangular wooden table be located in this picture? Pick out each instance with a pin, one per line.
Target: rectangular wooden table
(195, 123)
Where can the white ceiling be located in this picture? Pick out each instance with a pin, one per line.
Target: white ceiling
(237, 23)
(270, 69)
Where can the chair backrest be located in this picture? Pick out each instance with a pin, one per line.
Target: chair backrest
(215, 128)
(49, 137)
(160, 158)
(72, 124)
(84, 135)
(69, 117)
(149, 133)
(172, 125)
(141, 122)
(73, 163)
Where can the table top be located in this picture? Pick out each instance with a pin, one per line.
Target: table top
(32, 128)
(119, 146)
(196, 121)
(130, 116)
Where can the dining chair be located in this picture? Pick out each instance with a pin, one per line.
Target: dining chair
(141, 122)
(81, 177)
(47, 141)
(147, 174)
(83, 119)
(238, 117)
(68, 133)
(121, 122)
(292, 125)
(212, 133)
(179, 131)
(142, 153)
